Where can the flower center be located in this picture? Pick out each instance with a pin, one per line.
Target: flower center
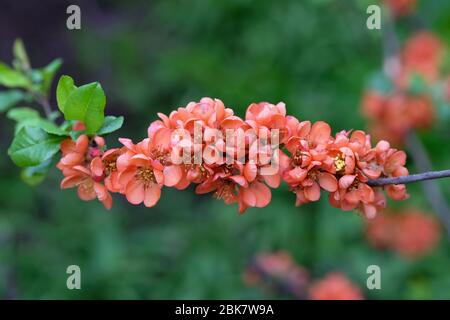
(313, 175)
(87, 186)
(203, 171)
(146, 175)
(228, 169)
(297, 158)
(339, 162)
(160, 155)
(110, 166)
(225, 191)
(354, 185)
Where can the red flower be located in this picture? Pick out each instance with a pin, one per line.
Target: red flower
(334, 286)
(401, 7)
(278, 271)
(140, 174)
(422, 54)
(88, 188)
(410, 233)
(76, 166)
(394, 116)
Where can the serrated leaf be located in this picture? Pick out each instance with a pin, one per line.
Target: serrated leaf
(36, 174)
(110, 124)
(9, 99)
(32, 146)
(86, 104)
(12, 79)
(65, 87)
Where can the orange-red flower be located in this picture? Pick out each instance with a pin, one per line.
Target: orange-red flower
(310, 165)
(105, 168)
(278, 271)
(335, 286)
(77, 169)
(401, 7)
(395, 115)
(236, 183)
(341, 165)
(267, 116)
(73, 152)
(140, 173)
(422, 55)
(88, 188)
(411, 233)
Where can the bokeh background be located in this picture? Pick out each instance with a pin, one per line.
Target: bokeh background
(153, 56)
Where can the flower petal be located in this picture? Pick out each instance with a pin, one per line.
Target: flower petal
(328, 182)
(320, 133)
(152, 195)
(135, 192)
(172, 175)
(312, 193)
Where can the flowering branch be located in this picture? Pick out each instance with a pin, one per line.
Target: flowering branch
(411, 178)
(238, 160)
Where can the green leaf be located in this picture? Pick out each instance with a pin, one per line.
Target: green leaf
(65, 87)
(44, 124)
(22, 113)
(36, 174)
(12, 79)
(87, 104)
(32, 146)
(20, 54)
(29, 117)
(48, 73)
(9, 99)
(110, 124)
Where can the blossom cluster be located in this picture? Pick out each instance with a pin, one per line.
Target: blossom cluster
(238, 160)
(393, 115)
(277, 271)
(410, 233)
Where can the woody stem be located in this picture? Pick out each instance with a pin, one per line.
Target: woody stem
(411, 178)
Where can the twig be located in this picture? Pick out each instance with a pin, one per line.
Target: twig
(411, 178)
(44, 103)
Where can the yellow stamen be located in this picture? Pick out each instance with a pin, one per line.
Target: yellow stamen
(339, 162)
(146, 175)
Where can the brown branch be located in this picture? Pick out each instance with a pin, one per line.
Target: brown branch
(411, 178)
(431, 189)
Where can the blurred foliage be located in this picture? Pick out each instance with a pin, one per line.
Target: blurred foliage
(314, 55)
